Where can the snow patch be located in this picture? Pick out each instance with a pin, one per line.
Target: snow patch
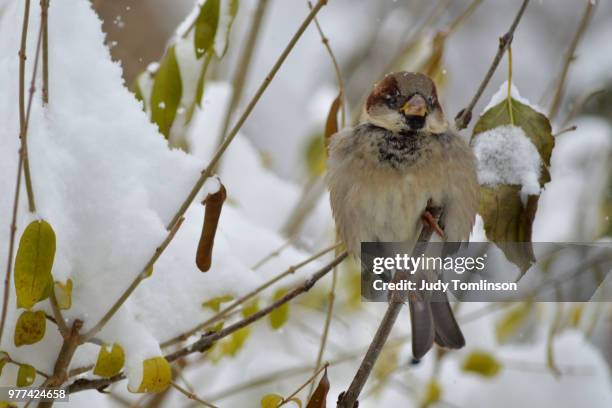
(506, 156)
(502, 94)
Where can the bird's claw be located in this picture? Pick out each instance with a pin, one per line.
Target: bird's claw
(430, 221)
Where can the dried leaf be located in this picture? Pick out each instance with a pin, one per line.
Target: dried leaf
(215, 303)
(26, 375)
(156, 375)
(63, 293)
(206, 27)
(511, 322)
(331, 124)
(110, 360)
(30, 328)
(279, 316)
(319, 396)
(166, 92)
(214, 204)
(271, 400)
(33, 264)
(481, 363)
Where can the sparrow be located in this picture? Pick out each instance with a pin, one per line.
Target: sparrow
(386, 174)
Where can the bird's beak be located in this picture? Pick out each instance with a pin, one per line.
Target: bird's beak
(416, 106)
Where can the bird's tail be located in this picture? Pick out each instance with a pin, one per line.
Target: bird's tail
(433, 321)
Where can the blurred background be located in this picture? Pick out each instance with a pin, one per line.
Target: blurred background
(370, 38)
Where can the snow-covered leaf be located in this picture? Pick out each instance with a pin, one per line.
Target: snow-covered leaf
(279, 316)
(481, 363)
(30, 328)
(166, 92)
(63, 293)
(110, 360)
(206, 27)
(33, 264)
(227, 16)
(26, 375)
(319, 396)
(156, 375)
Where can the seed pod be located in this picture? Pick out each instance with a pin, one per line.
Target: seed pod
(213, 204)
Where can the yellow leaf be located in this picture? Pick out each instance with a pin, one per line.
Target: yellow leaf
(315, 155)
(4, 358)
(433, 392)
(235, 342)
(26, 375)
(511, 322)
(63, 293)
(271, 401)
(481, 363)
(279, 316)
(4, 404)
(215, 303)
(33, 264)
(110, 360)
(156, 375)
(250, 308)
(30, 328)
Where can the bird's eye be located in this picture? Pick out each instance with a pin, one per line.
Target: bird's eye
(392, 101)
(431, 100)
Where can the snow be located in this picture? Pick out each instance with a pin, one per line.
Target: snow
(506, 156)
(502, 94)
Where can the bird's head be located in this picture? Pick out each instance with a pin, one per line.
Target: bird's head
(405, 102)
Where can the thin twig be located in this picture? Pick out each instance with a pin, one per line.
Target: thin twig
(207, 340)
(191, 395)
(241, 300)
(301, 387)
(22, 163)
(509, 96)
(141, 276)
(349, 398)
(273, 254)
(465, 115)
(44, 21)
(244, 64)
(569, 57)
(232, 133)
(337, 70)
(566, 130)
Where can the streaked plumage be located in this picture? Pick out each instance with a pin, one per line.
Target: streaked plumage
(383, 173)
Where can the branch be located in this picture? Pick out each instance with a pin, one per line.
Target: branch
(144, 273)
(260, 91)
(57, 314)
(243, 65)
(207, 340)
(22, 162)
(191, 395)
(569, 57)
(225, 312)
(465, 115)
(348, 399)
(44, 21)
(301, 387)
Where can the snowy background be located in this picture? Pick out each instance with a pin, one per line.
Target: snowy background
(108, 183)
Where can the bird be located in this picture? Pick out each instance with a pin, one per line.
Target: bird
(388, 173)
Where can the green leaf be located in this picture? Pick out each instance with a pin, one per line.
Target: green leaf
(232, 11)
(30, 328)
(481, 363)
(278, 317)
(206, 27)
(110, 360)
(156, 375)
(166, 92)
(215, 303)
(506, 217)
(319, 396)
(33, 264)
(26, 375)
(63, 293)
(250, 308)
(271, 400)
(512, 321)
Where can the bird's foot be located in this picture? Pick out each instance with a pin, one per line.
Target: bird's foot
(430, 221)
